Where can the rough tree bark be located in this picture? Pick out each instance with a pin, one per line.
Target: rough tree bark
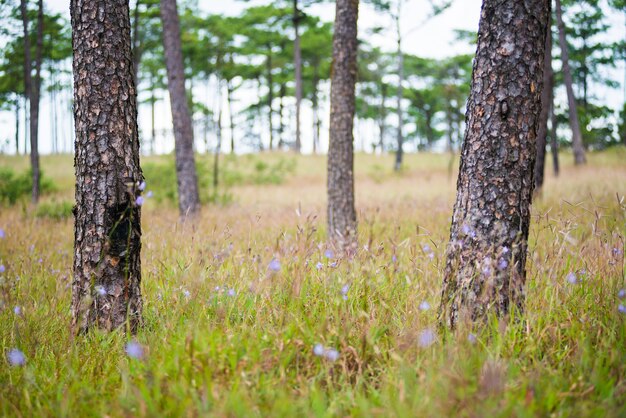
(188, 197)
(546, 103)
(400, 151)
(298, 70)
(341, 212)
(577, 138)
(32, 90)
(485, 267)
(107, 272)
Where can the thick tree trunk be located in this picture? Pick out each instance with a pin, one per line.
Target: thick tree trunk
(546, 104)
(188, 198)
(341, 212)
(577, 139)
(400, 151)
(554, 140)
(485, 268)
(106, 289)
(298, 70)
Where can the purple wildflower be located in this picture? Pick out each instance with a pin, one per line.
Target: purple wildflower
(616, 252)
(333, 264)
(621, 294)
(2, 233)
(487, 267)
(621, 308)
(2, 268)
(134, 350)
(426, 338)
(471, 338)
(139, 201)
(231, 292)
(101, 290)
(502, 263)
(274, 265)
(16, 357)
(329, 253)
(344, 291)
(17, 310)
(186, 293)
(319, 265)
(318, 350)
(149, 194)
(505, 250)
(394, 258)
(331, 354)
(424, 306)
(571, 278)
(142, 186)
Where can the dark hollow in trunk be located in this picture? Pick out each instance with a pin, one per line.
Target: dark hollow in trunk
(341, 212)
(485, 267)
(107, 271)
(188, 197)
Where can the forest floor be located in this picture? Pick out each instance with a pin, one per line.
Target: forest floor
(226, 335)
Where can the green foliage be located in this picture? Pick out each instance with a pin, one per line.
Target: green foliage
(233, 171)
(16, 187)
(55, 210)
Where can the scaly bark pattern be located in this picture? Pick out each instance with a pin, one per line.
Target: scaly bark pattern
(188, 197)
(341, 212)
(485, 266)
(107, 271)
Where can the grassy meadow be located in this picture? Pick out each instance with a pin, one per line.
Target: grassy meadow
(226, 335)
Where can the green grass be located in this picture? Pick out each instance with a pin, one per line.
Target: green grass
(211, 354)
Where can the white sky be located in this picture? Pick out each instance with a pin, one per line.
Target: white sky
(433, 39)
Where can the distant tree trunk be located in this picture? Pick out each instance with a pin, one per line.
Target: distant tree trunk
(400, 150)
(106, 290)
(281, 125)
(577, 139)
(382, 115)
(188, 198)
(553, 137)
(32, 89)
(26, 119)
(546, 103)
(152, 124)
(341, 212)
(316, 116)
(485, 268)
(17, 126)
(229, 99)
(298, 70)
(270, 96)
(218, 146)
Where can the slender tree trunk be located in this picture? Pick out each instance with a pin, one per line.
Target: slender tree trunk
(485, 268)
(298, 70)
(382, 115)
(218, 146)
(270, 96)
(152, 124)
(554, 139)
(188, 198)
(316, 116)
(281, 125)
(546, 103)
(229, 99)
(32, 88)
(106, 291)
(342, 225)
(400, 150)
(577, 139)
(17, 126)
(26, 122)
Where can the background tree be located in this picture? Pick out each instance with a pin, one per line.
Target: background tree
(106, 291)
(485, 267)
(577, 140)
(188, 197)
(341, 212)
(547, 97)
